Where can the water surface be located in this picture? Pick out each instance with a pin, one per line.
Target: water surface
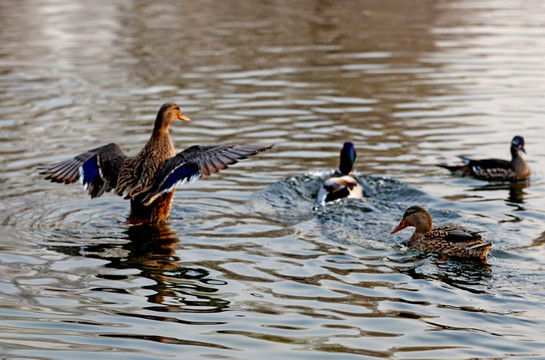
(247, 266)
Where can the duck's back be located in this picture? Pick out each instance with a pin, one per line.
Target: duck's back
(454, 241)
(491, 169)
(139, 173)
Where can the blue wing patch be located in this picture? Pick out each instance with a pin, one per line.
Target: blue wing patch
(182, 173)
(186, 172)
(90, 175)
(89, 171)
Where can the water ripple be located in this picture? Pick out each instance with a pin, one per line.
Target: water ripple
(247, 265)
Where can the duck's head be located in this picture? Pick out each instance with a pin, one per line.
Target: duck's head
(348, 157)
(517, 144)
(167, 114)
(415, 216)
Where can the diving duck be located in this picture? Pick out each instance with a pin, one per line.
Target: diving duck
(343, 184)
(447, 240)
(495, 169)
(148, 179)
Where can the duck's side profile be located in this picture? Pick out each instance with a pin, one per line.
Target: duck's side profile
(343, 184)
(148, 179)
(447, 240)
(495, 169)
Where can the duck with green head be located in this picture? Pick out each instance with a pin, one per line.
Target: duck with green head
(343, 184)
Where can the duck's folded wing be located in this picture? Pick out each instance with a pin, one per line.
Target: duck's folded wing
(487, 163)
(96, 169)
(490, 168)
(331, 190)
(456, 234)
(196, 162)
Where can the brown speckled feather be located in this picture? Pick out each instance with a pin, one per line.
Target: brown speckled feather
(140, 173)
(452, 241)
(449, 240)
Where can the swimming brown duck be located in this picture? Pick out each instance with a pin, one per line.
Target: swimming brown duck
(343, 184)
(447, 240)
(495, 169)
(148, 179)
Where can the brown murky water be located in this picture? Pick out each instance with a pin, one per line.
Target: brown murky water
(246, 268)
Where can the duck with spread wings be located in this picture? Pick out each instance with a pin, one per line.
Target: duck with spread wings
(148, 179)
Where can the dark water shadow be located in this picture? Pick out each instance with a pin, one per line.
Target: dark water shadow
(470, 275)
(150, 249)
(515, 190)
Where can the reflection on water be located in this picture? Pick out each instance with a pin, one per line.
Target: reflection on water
(246, 265)
(514, 190)
(150, 250)
(464, 274)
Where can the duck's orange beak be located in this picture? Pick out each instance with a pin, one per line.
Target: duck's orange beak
(402, 225)
(184, 118)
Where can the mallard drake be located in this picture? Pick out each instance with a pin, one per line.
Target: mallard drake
(495, 169)
(148, 179)
(343, 184)
(448, 240)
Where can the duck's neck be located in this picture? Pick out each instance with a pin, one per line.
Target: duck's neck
(515, 154)
(518, 159)
(160, 129)
(339, 173)
(161, 142)
(346, 164)
(162, 124)
(520, 166)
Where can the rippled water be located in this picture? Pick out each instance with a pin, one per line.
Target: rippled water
(246, 267)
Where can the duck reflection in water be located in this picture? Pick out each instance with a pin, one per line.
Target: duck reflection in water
(516, 190)
(151, 250)
(464, 274)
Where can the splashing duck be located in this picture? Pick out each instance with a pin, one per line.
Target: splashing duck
(343, 184)
(148, 179)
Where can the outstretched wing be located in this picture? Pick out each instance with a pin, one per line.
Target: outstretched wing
(196, 162)
(96, 169)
